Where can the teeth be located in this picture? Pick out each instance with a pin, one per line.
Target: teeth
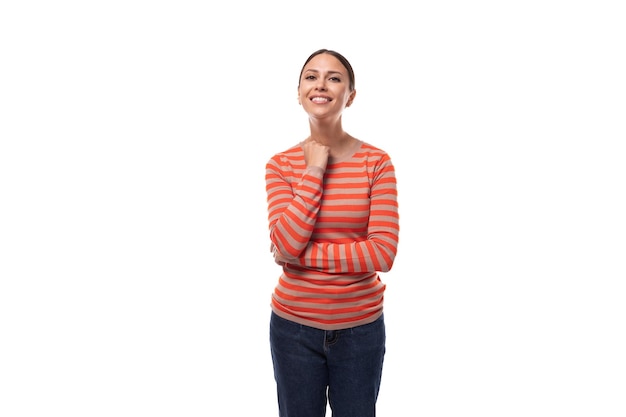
(319, 100)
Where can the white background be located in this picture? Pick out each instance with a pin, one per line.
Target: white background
(135, 266)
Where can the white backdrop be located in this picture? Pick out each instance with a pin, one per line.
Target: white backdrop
(135, 266)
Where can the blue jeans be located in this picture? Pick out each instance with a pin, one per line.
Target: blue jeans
(310, 363)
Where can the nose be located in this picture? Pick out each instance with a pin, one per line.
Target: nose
(321, 84)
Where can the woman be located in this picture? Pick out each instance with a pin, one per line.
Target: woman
(333, 222)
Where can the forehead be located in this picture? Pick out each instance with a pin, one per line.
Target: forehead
(325, 62)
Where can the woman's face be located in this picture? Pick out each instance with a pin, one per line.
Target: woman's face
(324, 89)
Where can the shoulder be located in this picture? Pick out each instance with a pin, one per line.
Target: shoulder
(293, 156)
(373, 153)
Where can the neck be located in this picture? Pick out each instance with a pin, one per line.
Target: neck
(328, 134)
(338, 141)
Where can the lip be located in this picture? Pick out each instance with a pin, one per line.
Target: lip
(326, 98)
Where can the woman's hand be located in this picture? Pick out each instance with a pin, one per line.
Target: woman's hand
(315, 154)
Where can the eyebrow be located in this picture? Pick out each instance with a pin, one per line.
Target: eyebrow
(329, 72)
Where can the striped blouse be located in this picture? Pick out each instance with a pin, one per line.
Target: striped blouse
(332, 232)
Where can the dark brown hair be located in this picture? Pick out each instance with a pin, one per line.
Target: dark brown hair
(337, 55)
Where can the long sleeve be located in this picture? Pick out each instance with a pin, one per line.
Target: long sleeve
(292, 209)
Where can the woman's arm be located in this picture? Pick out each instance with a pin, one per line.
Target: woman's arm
(292, 211)
(374, 253)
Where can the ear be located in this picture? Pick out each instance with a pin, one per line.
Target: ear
(351, 98)
(299, 102)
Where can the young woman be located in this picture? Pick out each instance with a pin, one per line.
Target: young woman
(334, 225)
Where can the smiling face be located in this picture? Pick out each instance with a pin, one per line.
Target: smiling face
(324, 89)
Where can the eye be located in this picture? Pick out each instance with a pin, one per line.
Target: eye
(335, 79)
(309, 77)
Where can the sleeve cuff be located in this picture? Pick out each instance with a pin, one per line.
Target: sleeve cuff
(315, 171)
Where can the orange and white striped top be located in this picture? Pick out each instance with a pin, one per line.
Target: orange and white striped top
(332, 232)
